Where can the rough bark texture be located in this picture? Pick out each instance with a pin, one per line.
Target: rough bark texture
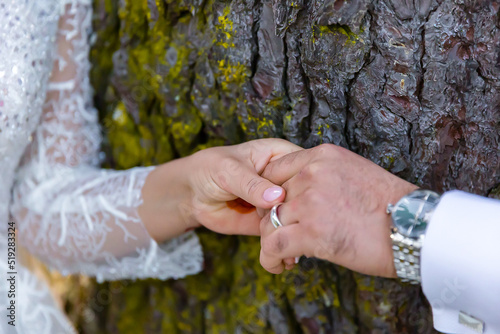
(412, 85)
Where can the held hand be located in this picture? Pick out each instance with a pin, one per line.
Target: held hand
(224, 176)
(335, 209)
(218, 188)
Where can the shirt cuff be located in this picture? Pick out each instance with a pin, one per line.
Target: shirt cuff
(460, 262)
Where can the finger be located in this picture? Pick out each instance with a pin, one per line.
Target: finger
(262, 151)
(241, 177)
(286, 215)
(272, 265)
(254, 189)
(295, 186)
(228, 221)
(284, 242)
(262, 212)
(289, 212)
(289, 263)
(281, 170)
(292, 260)
(267, 228)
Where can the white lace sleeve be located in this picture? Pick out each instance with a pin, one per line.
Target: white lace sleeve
(74, 216)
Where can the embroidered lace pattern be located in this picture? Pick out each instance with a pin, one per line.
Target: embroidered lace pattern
(75, 217)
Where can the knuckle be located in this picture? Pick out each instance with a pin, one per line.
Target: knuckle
(326, 149)
(312, 197)
(294, 207)
(275, 244)
(310, 171)
(230, 165)
(337, 243)
(253, 185)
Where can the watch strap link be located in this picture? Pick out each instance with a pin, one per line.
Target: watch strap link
(407, 258)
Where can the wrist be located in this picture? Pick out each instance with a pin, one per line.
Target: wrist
(400, 189)
(410, 217)
(185, 174)
(166, 206)
(179, 190)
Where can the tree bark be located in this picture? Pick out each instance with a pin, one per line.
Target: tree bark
(411, 85)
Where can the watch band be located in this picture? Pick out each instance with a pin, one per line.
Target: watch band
(406, 257)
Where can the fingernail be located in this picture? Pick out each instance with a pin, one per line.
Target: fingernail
(297, 259)
(272, 193)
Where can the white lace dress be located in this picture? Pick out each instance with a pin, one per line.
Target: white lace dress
(72, 215)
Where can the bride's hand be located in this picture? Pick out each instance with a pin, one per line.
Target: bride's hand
(227, 186)
(218, 188)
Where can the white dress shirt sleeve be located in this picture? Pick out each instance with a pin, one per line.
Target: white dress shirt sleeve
(460, 263)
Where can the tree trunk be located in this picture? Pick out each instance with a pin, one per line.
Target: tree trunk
(412, 85)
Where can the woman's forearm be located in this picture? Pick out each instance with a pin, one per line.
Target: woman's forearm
(167, 195)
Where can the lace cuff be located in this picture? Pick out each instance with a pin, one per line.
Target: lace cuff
(85, 220)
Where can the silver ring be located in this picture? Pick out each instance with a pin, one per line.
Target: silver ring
(274, 216)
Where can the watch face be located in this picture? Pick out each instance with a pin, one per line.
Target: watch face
(412, 213)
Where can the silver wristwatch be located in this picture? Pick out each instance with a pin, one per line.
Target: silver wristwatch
(410, 217)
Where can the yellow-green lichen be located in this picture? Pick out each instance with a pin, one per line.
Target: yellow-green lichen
(225, 29)
(236, 74)
(339, 30)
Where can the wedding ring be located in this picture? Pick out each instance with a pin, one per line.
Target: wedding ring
(274, 216)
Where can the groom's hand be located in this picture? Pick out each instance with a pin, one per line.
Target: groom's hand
(335, 209)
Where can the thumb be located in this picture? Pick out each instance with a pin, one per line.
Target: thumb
(256, 190)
